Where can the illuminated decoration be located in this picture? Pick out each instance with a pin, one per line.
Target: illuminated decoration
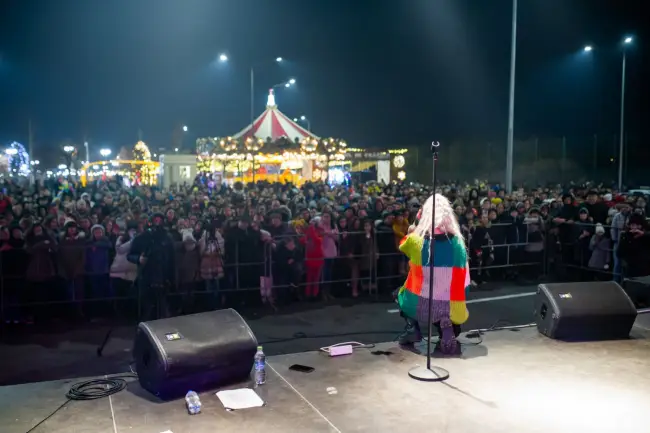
(397, 151)
(144, 173)
(401, 175)
(138, 172)
(229, 144)
(309, 145)
(253, 145)
(399, 161)
(141, 151)
(271, 148)
(273, 125)
(336, 176)
(17, 159)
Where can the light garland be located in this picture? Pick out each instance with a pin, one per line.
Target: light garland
(229, 144)
(253, 145)
(309, 145)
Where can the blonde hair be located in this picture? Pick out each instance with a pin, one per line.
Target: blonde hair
(445, 222)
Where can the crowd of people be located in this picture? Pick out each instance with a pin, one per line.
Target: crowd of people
(64, 245)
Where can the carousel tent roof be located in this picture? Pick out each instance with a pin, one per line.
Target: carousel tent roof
(273, 123)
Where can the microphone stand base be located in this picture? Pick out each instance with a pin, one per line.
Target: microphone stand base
(433, 374)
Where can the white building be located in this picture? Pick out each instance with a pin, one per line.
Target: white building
(177, 169)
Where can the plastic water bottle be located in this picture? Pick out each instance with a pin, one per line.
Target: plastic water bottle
(260, 367)
(193, 402)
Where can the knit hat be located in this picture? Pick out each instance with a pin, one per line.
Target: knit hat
(69, 222)
(187, 236)
(600, 230)
(98, 226)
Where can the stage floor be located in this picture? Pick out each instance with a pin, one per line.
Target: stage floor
(514, 382)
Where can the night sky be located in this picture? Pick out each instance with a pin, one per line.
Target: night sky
(373, 72)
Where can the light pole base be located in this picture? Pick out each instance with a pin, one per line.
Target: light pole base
(433, 374)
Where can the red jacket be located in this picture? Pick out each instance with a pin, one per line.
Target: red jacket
(313, 247)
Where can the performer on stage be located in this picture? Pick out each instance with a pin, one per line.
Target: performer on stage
(451, 277)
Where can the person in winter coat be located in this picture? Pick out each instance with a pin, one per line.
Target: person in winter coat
(211, 247)
(70, 261)
(123, 272)
(367, 253)
(40, 270)
(634, 248)
(288, 266)
(97, 263)
(13, 264)
(188, 260)
(314, 258)
(154, 252)
(601, 249)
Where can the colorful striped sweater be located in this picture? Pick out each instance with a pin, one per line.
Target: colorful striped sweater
(451, 280)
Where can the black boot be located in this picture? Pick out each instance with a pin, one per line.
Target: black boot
(411, 334)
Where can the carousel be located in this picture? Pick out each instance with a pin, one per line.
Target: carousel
(136, 169)
(275, 149)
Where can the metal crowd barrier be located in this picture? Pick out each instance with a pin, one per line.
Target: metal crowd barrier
(383, 272)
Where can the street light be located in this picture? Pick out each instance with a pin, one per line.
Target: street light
(176, 149)
(292, 81)
(68, 149)
(511, 99)
(278, 59)
(184, 128)
(304, 119)
(11, 151)
(621, 135)
(223, 58)
(105, 152)
(627, 41)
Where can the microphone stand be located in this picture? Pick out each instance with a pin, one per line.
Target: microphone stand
(431, 373)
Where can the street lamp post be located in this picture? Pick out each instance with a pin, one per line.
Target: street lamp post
(105, 152)
(223, 58)
(511, 101)
(621, 135)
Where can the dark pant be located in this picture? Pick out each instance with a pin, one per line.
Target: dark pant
(153, 302)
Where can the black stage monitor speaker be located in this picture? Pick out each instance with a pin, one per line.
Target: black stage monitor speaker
(638, 289)
(194, 352)
(584, 311)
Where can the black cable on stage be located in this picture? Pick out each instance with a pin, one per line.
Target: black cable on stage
(89, 390)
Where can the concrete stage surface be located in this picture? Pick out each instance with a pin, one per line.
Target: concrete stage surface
(513, 382)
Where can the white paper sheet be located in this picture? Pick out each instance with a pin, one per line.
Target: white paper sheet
(243, 398)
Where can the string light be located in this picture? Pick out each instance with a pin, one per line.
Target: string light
(253, 145)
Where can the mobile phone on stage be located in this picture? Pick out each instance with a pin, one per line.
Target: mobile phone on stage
(301, 368)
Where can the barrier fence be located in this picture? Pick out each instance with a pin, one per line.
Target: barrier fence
(43, 283)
